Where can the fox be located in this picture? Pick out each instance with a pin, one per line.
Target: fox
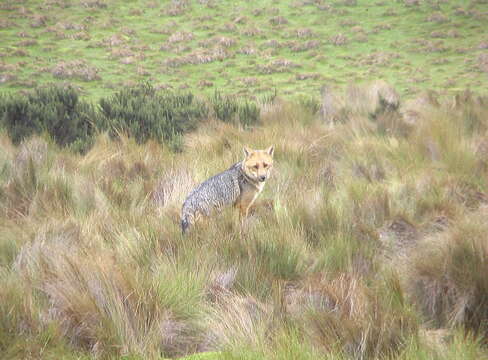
(238, 186)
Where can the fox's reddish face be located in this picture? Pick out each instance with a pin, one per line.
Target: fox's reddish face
(257, 164)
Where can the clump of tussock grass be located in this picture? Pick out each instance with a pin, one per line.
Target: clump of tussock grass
(325, 229)
(378, 59)
(339, 40)
(101, 304)
(275, 258)
(445, 275)
(342, 313)
(411, 2)
(377, 100)
(248, 50)
(78, 69)
(177, 8)
(19, 314)
(180, 36)
(199, 56)
(277, 66)
(398, 236)
(332, 104)
(172, 187)
(238, 321)
(304, 33)
(439, 345)
(39, 21)
(438, 17)
(5, 24)
(483, 62)
(298, 46)
(18, 193)
(278, 20)
(34, 149)
(438, 144)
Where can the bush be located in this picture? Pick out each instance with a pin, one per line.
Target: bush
(230, 109)
(144, 113)
(139, 111)
(55, 110)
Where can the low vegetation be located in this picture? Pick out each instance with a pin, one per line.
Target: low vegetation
(369, 241)
(57, 111)
(140, 112)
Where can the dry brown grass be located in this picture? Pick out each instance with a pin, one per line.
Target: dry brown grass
(445, 275)
(277, 66)
(342, 313)
(338, 40)
(78, 69)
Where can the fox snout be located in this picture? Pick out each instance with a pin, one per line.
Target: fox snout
(262, 178)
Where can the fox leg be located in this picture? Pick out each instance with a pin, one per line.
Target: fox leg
(244, 204)
(243, 211)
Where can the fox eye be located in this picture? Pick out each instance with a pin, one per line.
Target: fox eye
(265, 165)
(256, 166)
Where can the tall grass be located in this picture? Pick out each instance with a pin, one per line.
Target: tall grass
(446, 275)
(368, 241)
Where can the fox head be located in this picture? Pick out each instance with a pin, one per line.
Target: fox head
(257, 164)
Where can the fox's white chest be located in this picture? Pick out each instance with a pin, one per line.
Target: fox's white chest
(258, 191)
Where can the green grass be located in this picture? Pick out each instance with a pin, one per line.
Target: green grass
(385, 39)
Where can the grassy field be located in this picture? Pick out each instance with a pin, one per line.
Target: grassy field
(369, 241)
(245, 48)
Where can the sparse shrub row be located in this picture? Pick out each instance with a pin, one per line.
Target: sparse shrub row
(141, 112)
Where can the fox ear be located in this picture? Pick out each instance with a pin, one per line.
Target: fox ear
(270, 150)
(247, 151)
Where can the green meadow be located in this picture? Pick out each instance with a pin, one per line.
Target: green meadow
(244, 47)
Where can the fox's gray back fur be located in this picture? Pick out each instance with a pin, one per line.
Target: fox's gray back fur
(212, 195)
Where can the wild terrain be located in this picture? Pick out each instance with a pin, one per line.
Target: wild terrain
(370, 240)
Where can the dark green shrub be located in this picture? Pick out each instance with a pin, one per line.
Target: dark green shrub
(145, 113)
(54, 110)
(230, 109)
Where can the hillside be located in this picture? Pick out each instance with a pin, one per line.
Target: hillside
(369, 241)
(242, 47)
